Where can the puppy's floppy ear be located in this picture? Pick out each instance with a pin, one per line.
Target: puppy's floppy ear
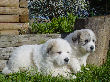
(51, 44)
(76, 36)
(49, 48)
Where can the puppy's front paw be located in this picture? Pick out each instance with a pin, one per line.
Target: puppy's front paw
(77, 69)
(74, 77)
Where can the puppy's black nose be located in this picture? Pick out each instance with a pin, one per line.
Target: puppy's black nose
(66, 59)
(92, 47)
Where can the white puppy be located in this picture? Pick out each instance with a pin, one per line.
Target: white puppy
(50, 57)
(83, 42)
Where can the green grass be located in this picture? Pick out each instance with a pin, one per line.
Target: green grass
(94, 74)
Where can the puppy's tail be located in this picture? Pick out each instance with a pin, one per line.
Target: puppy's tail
(6, 70)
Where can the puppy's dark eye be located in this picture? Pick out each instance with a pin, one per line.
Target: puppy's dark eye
(68, 52)
(59, 52)
(93, 40)
(86, 41)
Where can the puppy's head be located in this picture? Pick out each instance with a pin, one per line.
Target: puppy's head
(85, 40)
(58, 51)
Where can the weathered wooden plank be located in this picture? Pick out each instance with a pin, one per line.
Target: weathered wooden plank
(6, 52)
(9, 32)
(24, 15)
(9, 3)
(9, 10)
(17, 40)
(14, 26)
(13, 11)
(2, 64)
(9, 18)
(24, 18)
(23, 3)
(23, 11)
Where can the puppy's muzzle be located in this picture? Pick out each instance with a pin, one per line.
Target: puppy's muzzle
(66, 59)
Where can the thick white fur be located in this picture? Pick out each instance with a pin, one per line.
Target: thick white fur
(47, 58)
(77, 42)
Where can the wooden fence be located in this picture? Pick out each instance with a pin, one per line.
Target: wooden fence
(13, 16)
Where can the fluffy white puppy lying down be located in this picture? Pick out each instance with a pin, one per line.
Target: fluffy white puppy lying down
(51, 57)
(83, 42)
